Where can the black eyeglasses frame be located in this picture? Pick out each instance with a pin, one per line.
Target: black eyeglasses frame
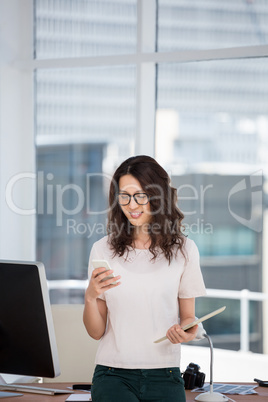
(134, 196)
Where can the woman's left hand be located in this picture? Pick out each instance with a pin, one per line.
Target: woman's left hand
(176, 334)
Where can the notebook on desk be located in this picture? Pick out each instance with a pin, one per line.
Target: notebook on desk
(79, 397)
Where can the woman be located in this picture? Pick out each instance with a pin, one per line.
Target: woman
(157, 277)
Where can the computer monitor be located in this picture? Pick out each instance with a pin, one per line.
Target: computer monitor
(27, 339)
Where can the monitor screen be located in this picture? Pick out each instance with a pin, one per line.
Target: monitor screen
(27, 338)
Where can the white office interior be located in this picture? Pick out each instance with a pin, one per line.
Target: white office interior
(185, 125)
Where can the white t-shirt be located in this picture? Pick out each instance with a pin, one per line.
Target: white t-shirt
(145, 305)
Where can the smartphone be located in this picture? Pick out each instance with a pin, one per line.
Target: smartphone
(104, 264)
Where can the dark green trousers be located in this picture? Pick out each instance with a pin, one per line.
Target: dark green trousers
(130, 385)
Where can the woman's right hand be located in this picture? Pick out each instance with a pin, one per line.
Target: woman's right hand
(95, 310)
(98, 284)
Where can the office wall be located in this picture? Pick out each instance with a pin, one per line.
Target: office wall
(17, 187)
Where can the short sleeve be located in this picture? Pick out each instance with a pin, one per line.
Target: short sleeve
(94, 255)
(192, 283)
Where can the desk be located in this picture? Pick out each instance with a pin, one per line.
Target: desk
(27, 397)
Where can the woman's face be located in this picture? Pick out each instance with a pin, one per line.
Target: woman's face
(138, 215)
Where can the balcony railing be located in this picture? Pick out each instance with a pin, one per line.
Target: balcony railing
(245, 296)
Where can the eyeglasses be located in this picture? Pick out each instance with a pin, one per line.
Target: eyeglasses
(140, 198)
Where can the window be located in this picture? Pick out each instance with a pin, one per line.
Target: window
(79, 28)
(183, 81)
(211, 125)
(85, 127)
(211, 24)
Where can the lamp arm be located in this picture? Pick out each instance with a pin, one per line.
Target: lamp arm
(211, 396)
(211, 360)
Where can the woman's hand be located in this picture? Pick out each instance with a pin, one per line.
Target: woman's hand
(187, 315)
(98, 284)
(176, 334)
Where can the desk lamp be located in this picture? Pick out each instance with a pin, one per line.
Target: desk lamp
(209, 396)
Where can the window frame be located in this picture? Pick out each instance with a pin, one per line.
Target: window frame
(17, 100)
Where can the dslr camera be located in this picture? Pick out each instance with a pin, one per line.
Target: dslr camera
(193, 378)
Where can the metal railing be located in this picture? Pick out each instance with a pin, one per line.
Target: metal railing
(245, 296)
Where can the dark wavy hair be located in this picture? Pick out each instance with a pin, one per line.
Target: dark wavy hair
(165, 227)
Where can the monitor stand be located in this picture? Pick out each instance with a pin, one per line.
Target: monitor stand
(4, 388)
(4, 394)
